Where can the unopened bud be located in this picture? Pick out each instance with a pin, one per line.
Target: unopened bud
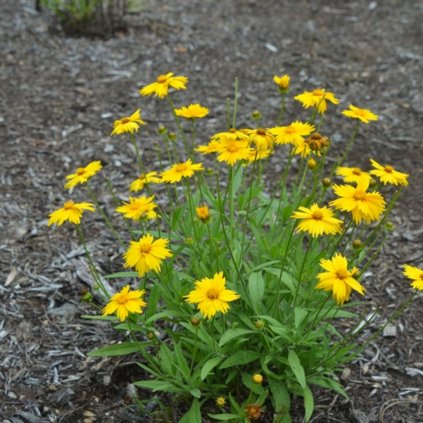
(326, 182)
(256, 115)
(195, 321)
(357, 244)
(172, 136)
(259, 324)
(162, 129)
(257, 378)
(389, 225)
(311, 164)
(150, 336)
(87, 297)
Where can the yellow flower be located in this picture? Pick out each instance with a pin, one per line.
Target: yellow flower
(203, 213)
(315, 143)
(181, 170)
(147, 254)
(139, 208)
(143, 180)
(211, 295)
(317, 98)
(388, 175)
(211, 147)
(317, 220)
(231, 150)
(262, 138)
(125, 302)
(129, 124)
(352, 174)
(255, 154)
(220, 401)
(363, 205)
(293, 133)
(282, 82)
(338, 278)
(193, 111)
(257, 378)
(237, 134)
(71, 212)
(416, 275)
(160, 88)
(364, 115)
(82, 174)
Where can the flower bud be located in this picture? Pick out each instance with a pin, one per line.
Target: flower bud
(220, 401)
(150, 336)
(311, 164)
(256, 115)
(259, 324)
(172, 136)
(195, 321)
(162, 129)
(357, 244)
(257, 378)
(254, 411)
(326, 182)
(87, 297)
(203, 213)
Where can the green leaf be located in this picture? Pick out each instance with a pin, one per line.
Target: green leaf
(240, 358)
(122, 275)
(308, 403)
(231, 334)
(209, 365)
(123, 348)
(195, 392)
(296, 367)
(281, 399)
(156, 385)
(182, 361)
(256, 288)
(247, 380)
(224, 417)
(299, 316)
(329, 384)
(193, 414)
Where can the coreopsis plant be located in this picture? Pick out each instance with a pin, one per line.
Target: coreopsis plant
(232, 288)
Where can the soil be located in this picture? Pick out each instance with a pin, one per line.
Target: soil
(60, 95)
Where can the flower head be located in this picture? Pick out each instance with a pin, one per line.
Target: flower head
(352, 174)
(317, 220)
(388, 175)
(125, 302)
(71, 212)
(82, 174)
(203, 213)
(147, 254)
(315, 144)
(129, 124)
(363, 205)
(282, 82)
(181, 170)
(160, 88)
(261, 138)
(143, 180)
(364, 115)
(293, 133)
(257, 378)
(211, 295)
(220, 401)
(211, 147)
(317, 98)
(139, 208)
(193, 111)
(254, 411)
(416, 275)
(338, 278)
(231, 150)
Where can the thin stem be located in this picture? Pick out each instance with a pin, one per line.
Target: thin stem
(300, 275)
(178, 125)
(137, 151)
(235, 109)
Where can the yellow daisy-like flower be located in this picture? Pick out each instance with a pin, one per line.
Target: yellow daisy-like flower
(261, 138)
(363, 205)
(220, 401)
(317, 220)
(416, 275)
(203, 213)
(282, 82)
(231, 150)
(293, 133)
(338, 278)
(71, 212)
(364, 115)
(147, 254)
(211, 295)
(317, 98)
(193, 111)
(139, 208)
(143, 180)
(211, 147)
(352, 174)
(82, 174)
(388, 175)
(258, 155)
(315, 144)
(129, 124)
(181, 170)
(237, 134)
(125, 302)
(160, 88)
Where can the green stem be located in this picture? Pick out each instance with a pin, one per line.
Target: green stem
(300, 275)
(235, 109)
(137, 151)
(178, 125)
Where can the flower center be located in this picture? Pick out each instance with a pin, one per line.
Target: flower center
(68, 205)
(317, 215)
(181, 167)
(389, 169)
(342, 274)
(145, 248)
(80, 171)
(356, 171)
(161, 79)
(122, 299)
(319, 93)
(359, 195)
(212, 294)
(290, 130)
(261, 131)
(232, 147)
(125, 120)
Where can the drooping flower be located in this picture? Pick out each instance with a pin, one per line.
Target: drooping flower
(143, 180)
(129, 124)
(352, 174)
(262, 139)
(282, 82)
(139, 208)
(364, 115)
(255, 154)
(388, 175)
(203, 213)
(338, 278)
(125, 302)
(363, 205)
(293, 133)
(83, 174)
(231, 150)
(315, 144)
(193, 111)
(147, 254)
(416, 275)
(71, 212)
(317, 220)
(211, 295)
(181, 170)
(160, 88)
(317, 98)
